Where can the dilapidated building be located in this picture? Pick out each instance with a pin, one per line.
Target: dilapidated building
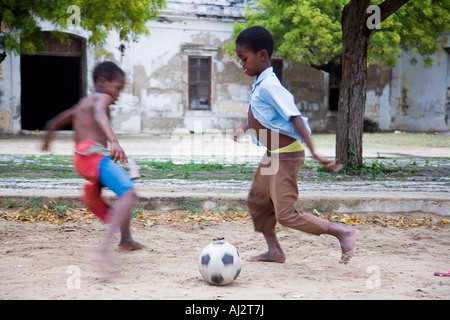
(179, 77)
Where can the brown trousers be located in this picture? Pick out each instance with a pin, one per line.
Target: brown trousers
(274, 192)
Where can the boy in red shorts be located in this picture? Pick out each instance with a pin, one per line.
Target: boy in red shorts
(90, 119)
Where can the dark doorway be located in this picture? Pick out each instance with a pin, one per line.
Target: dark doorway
(51, 83)
(277, 65)
(333, 95)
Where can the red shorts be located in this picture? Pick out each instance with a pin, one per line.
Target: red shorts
(88, 168)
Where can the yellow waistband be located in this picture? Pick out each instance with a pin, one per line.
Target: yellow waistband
(293, 147)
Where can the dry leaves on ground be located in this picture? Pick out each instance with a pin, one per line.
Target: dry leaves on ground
(52, 212)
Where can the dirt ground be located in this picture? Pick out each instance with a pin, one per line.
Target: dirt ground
(50, 261)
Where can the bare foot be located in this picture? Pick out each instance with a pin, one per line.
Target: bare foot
(103, 265)
(346, 257)
(129, 245)
(348, 245)
(269, 256)
(347, 237)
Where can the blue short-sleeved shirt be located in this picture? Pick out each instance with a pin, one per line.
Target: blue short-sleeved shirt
(273, 106)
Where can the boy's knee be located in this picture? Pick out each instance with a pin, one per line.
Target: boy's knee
(135, 196)
(94, 202)
(303, 221)
(250, 203)
(257, 202)
(131, 194)
(287, 218)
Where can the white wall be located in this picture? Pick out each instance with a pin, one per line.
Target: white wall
(418, 99)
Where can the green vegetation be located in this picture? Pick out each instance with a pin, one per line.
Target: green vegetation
(61, 167)
(398, 168)
(37, 167)
(195, 171)
(22, 32)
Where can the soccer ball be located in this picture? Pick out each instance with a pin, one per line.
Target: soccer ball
(219, 263)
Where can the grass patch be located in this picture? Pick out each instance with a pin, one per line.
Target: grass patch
(61, 167)
(195, 171)
(430, 169)
(37, 167)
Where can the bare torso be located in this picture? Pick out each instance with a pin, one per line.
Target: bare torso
(84, 123)
(266, 138)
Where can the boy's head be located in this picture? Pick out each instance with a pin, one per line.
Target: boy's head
(109, 79)
(254, 46)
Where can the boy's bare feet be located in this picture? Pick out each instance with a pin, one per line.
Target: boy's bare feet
(129, 245)
(269, 256)
(103, 265)
(274, 254)
(347, 237)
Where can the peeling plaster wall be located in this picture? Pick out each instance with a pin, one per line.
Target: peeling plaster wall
(155, 98)
(10, 94)
(308, 86)
(377, 98)
(158, 68)
(418, 98)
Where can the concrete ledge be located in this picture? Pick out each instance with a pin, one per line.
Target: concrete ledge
(393, 204)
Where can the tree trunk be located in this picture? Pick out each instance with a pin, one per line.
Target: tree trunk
(352, 99)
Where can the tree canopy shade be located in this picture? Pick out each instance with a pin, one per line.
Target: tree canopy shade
(21, 33)
(310, 31)
(342, 38)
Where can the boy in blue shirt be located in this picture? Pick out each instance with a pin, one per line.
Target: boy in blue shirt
(274, 121)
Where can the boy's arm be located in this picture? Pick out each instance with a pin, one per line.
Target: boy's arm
(297, 121)
(60, 121)
(101, 117)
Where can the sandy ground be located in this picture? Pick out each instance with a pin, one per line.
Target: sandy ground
(50, 261)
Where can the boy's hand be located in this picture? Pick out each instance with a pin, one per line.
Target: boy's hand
(236, 133)
(330, 165)
(117, 153)
(45, 145)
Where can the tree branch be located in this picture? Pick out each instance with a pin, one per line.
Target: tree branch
(388, 7)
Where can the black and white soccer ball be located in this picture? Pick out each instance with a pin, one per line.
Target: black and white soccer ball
(219, 263)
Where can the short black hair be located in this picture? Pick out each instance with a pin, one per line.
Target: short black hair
(108, 70)
(256, 38)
